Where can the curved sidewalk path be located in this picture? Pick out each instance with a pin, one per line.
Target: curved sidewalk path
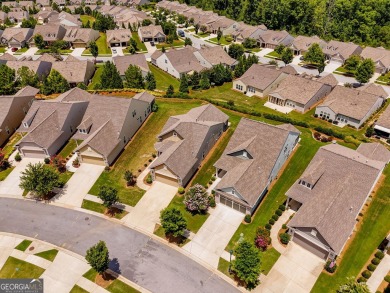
(145, 261)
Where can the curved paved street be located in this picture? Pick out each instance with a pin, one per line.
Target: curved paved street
(136, 256)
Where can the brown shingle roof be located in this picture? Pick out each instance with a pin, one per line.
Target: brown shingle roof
(75, 71)
(374, 89)
(303, 43)
(374, 151)
(216, 55)
(344, 49)
(151, 31)
(344, 178)
(384, 119)
(329, 79)
(377, 54)
(119, 35)
(260, 77)
(184, 60)
(123, 62)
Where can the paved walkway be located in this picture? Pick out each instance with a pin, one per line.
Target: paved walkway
(77, 52)
(141, 177)
(79, 184)
(276, 228)
(210, 241)
(146, 214)
(380, 272)
(295, 271)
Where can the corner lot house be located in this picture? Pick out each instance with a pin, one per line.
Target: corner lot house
(259, 80)
(301, 44)
(299, 93)
(349, 106)
(339, 51)
(184, 142)
(151, 33)
(120, 37)
(16, 37)
(75, 71)
(211, 56)
(122, 63)
(330, 195)
(13, 109)
(251, 161)
(380, 56)
(382, 125)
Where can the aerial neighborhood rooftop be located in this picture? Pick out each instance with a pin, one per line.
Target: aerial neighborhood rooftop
(195, 147)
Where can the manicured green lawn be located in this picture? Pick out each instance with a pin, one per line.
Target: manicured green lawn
(3, 49)
(101, 42)
(141, 46)
(90, 275)
(223, 266)
(253, 50)
(276, 196)
(139, 150)
(191, 29)
(222, 41)
(5, 173)
(176, 43)
(268, 259)
(48, 254)
(19, 269)
(342, 71)
(69, 148)
(118, 286)
(374, 228)
(10, 146)
(384, 78)
(66, 176)
(273, 55)
(84, 19)
(201, 35)
(22, 246)
(96, 77)
(62, 52)
(21, 51)
(99, 208)
(163, 79)
(78, 289)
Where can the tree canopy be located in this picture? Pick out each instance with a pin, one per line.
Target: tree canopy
(55, 83)
(353, 287)
(173, 222)
(26, 76)
(98, 257)
(7, 80)
(365, 71)
(134, 78)
(109, 195)
(110, 78)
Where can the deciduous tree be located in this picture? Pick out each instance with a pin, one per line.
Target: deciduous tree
(26, 77)
(55, 83)
(173, 222)
(352, 63)
(365, 71)
(110, 78)
(38, 41)
(287, 56)
(109, 195)
(134, 78)
(236, 51)
(7, 80)
(150, 81)
(98, 257)
(183, 88)
(94, 49)
(196, 199)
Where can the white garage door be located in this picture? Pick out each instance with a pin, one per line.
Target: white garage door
(228, 202)
(167, 180)
(33, 153)
(92, 160)
(322, 253)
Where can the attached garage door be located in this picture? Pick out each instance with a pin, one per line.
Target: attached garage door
(322, 253)
(231, 204)
(167, 180)
(34, 153)
(92, 160)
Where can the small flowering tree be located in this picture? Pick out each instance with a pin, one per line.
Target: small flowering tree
(4, 164)
(197, 199)
(261, 242)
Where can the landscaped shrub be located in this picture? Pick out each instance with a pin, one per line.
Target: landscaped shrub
(210, 182)
(366, 274)
(379, 254)
(284, 226)
(317, 135)
(387, 278)
(18, 158)
(324, 139)
(107, 168)
(248, 219)
(275, 217)
(213, 178)
(261, 242)
(285, 238)
(330, 266)
(46, 160)
(271, 221)
(361, 280)
(181, 190)
(371, 267)
(263, 231)
(196, 199)
(212, 202)
(330, 120)
(375, 261)
(145, 165)
(315, 115)
(282, 207)
(213, 192)
(329, 132)
(150, 160)
(154, 155)
(268, 226)
(279, 212)
(149, 179)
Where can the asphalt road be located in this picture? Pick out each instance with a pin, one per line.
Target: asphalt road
(137, 257)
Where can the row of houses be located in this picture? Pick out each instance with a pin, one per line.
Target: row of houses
(121, 37)
(284, 88)
(15, 15)
(327, 197)
(335, 51)
(187, 60)
(124, 16)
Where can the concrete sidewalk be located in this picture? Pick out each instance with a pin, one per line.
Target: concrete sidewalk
(380, 272)
(276, 228)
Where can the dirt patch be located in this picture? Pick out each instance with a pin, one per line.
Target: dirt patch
(104, 280)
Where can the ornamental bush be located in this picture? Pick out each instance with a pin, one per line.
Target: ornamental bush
(268, 226)
(379, 254)
(366, 274)
(18, 158)
(282, 207)
(285, 238)
(330, 266)
(271, 221)
(181, 190)
(375, 261)
(261, 242)
(361, 280)
(248, 219)
(284, 226)
(275, 217)
(371, 267)
(212, 202)
(279, 212)
(197, 199)
(387, 278)
(262, 231)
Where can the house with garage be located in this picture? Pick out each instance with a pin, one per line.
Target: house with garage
(119, 37)
(42, 3)
(17, 15)
(177, 61)
(211, 56)
(299, 93)
(122, 63)
(380, 56)
(40, 68)
(151, 33)
(226, 25)
(349, 106)
(331, 193)
(252, 159)
(374, 89)
(75, 71)
(13, 109)
(49, 32)
(329, 79)
(15, 37)
(184, 142)
(259, 80)
(80, 37)
(65, 19)
(382, 125)
(337, 51)
(246, 31)
(271, 39)
(301, 44)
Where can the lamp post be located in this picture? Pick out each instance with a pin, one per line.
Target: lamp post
(230, 263)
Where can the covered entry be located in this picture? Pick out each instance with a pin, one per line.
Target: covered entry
(232, 204)
(310, 246)
(166, 179)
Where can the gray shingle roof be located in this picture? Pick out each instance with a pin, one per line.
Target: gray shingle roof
(260, 77)
(329, 79)
(374, 151)
(216, 55)
(384, 119)
(122, 63)
(374, 89)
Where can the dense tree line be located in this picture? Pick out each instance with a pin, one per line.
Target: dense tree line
(360, 21)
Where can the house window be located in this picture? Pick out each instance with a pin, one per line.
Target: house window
(233, 191)
(308, 185)
(303, 182)
(166, 61)
(25, 125)
(313, 232)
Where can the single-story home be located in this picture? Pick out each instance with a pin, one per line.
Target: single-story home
(211, 56)
(119, 37)
(301, 44)
(18, 15)
(271, 39)
(329, 79)
(252, 159)
(16, 37)
(185, 141)
(246, 31)
(349, 106)
(382, 125)
(81, 37)
(75, 71)
(226, 25)
(374, 89)
(380, 56)
(330, 194)
(49, 32)
(41, 68)
(42, 3)
(299, 93)
(151, 33)
(259, 80)
(177, 61)
(122, 63)
(13, 109)
(65, 19)
(337, 51)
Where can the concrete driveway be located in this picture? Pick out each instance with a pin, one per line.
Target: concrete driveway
(146, 214)
(212, 238)
(30, 51)
(77, 52)
(79, 184)
(295, 271)
(10, 186)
